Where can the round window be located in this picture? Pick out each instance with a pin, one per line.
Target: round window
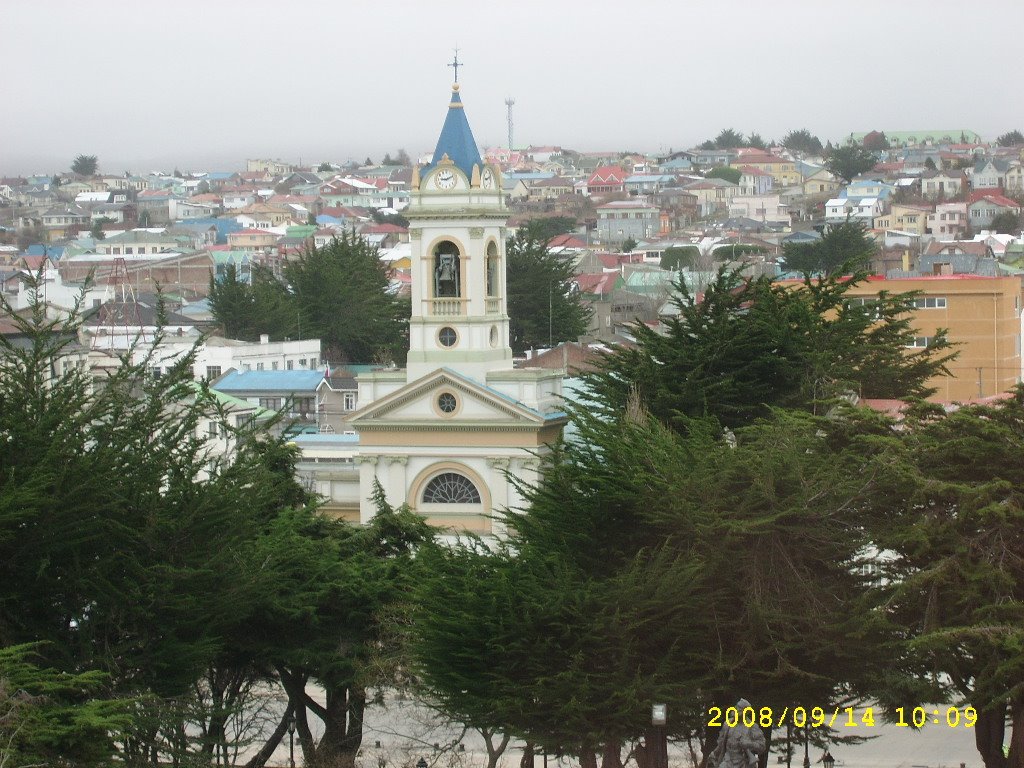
(447, 336)
(494, 335)
(447, 403)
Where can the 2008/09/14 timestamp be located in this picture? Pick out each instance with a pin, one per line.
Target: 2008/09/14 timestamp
(841, 717)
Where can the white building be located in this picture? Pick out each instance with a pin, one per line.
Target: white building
(441, 434)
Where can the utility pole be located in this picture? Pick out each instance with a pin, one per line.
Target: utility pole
(508, 103)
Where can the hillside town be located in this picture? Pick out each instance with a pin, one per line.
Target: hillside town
(942, 207)
(464, 429)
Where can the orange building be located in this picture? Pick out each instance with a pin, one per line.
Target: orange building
(982, 318)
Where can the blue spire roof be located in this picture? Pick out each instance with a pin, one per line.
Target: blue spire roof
(456, 139)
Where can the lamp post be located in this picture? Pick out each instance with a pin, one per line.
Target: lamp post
(807, 758)
(659, 717)
(291, 740)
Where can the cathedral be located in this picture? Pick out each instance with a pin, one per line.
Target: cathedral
(444, 434)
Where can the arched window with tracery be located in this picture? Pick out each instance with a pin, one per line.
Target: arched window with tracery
(451, 488)
(447, 283)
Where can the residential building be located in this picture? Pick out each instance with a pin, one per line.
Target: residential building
(986, 206)
(982, 316)
(622, 220)
(942, 184)
(606, 179)
(948, 221)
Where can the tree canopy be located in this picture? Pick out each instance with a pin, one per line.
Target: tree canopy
(1010, 139)
(802, 141)
(339, 293)
(849, 160)
(728, 139)
(85, 165)
(543, 309)
(724, 172)
(754, 344)
(1006, 222)
(843, 248)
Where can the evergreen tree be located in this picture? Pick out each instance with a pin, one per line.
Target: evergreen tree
(85, 165)
(802, 141)
(340, 294)
(542, 308)
(844, 248)
(954, 516)
(850, 160)
(752, 344)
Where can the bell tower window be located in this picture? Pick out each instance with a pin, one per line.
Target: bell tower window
(447, 282)
(492, 269)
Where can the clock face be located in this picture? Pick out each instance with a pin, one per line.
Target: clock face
(487, 179)
(444, 179)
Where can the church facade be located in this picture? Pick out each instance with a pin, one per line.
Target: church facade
(445, 433)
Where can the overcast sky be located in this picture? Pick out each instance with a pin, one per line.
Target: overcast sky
(206, 83)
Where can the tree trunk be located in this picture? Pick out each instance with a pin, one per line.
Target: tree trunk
(588, 758)
(526, 761)
(1016, 759)
(762, 760)
(259, 760)
(343, 728)
(988, 736)
(494, 751)
(611, 755)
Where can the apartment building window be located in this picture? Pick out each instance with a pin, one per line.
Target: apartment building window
(213, 429)
(350, 401)
(155, 372)
(259, 366)
(289, 364)
(273, 403)
(302, 362)
(302, 405)
(935, 302)
(273, 365)
(212, 372)
(920, 342)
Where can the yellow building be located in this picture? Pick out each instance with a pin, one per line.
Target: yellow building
(905, 218)
(782, 171)
(982, 317)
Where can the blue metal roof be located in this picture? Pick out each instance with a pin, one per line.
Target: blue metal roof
(323, 438)
(270, 381)
(456, 139)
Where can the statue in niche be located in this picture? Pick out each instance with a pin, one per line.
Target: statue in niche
(446, 276)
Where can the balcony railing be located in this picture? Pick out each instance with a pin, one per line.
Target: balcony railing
(447, 307)
(493, 306)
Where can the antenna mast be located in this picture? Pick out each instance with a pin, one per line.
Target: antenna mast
(508, 103)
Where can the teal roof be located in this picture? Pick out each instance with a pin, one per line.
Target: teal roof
(456, 139)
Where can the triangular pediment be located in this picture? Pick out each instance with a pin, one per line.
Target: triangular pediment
(418, 403)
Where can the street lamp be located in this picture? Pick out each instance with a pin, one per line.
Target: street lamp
(659, 717)
(291, 739)
(807, 759)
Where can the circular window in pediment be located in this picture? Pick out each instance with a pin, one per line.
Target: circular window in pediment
(447, 402)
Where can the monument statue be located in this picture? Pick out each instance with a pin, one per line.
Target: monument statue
(739, 746)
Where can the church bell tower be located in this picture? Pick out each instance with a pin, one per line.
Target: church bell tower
(457, 220)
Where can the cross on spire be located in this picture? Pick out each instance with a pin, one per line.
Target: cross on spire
(456, 64)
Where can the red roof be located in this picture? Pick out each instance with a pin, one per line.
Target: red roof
(566, 241)
(382, 229)
(599, 283)
(251, 231)
(994, 196)
(752, 171)
(607, 174)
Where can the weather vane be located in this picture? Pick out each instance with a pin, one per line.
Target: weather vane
(456, 64)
